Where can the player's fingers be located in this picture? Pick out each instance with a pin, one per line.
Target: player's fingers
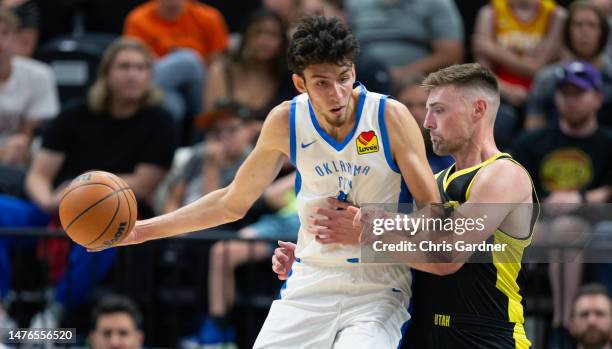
(289, 246)
(327, 212)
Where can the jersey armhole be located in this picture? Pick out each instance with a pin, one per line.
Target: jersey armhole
(292, 135)
(383, 134)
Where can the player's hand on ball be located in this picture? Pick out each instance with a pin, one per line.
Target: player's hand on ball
(133, 237)
(283, 258)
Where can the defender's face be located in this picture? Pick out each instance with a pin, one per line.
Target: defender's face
(330, 88)
(448, 120)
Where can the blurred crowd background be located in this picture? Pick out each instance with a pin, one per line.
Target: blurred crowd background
(171, 96)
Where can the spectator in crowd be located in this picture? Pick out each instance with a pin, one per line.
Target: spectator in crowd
(28, 95)
(214, 162)
(418, 36)
(516, 38)
(370, 69)
(121, 129)
(410, 92)
(29, 21)
(606, 7)
(116, 324)
(256, 74)
(585, 34)
(570, 164)
(185, 35)
(591, 322)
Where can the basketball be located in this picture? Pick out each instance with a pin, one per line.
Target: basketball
(97, 209)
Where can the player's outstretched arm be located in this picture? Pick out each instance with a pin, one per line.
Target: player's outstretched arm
(232, 202)
(408, 150)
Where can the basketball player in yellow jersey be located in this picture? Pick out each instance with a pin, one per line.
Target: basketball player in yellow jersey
(473, 305)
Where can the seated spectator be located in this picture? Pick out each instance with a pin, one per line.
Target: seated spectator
(591, 321)
(121, 128)
(29, 21)
(256, 74)
(226, 256)
(28, 96)
(214, 162)
(516, 38)
(116, 324)
(410, 92)
(585, 35)
(570, 164)
(185, 35)
(409, 37)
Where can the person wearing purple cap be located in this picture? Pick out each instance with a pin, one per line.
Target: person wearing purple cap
(570, 164)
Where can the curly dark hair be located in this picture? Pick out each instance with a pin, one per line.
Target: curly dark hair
(321, 40)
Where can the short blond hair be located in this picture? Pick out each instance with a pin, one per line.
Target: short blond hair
(463, 75)
(10, 19)
(98, 98)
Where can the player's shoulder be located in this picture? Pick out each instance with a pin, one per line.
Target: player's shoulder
(397, 115)
(278, 118)
(503, 176)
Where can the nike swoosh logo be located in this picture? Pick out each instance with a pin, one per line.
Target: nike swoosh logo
(304, 146)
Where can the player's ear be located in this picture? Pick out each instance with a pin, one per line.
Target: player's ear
(480, 109)
(299, 83)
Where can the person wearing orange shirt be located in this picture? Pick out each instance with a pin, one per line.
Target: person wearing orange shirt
(186, 36)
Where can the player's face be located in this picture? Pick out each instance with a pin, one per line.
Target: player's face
(7, 38)
(129, 75)
(576, 106)
(448, 120)
(592, 322)
(330, 88)
(116, 331)
(585, 32)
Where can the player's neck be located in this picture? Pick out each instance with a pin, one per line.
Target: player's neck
(475, 152)
(339, 133)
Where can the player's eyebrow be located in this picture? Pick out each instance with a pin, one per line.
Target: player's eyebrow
(433, 104)
(346, 70)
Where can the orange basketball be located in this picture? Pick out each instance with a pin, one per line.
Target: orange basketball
(97, 209)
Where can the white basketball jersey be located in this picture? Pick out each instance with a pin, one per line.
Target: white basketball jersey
(359, 169)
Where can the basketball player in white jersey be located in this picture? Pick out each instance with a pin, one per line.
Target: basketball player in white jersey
(351, 144)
